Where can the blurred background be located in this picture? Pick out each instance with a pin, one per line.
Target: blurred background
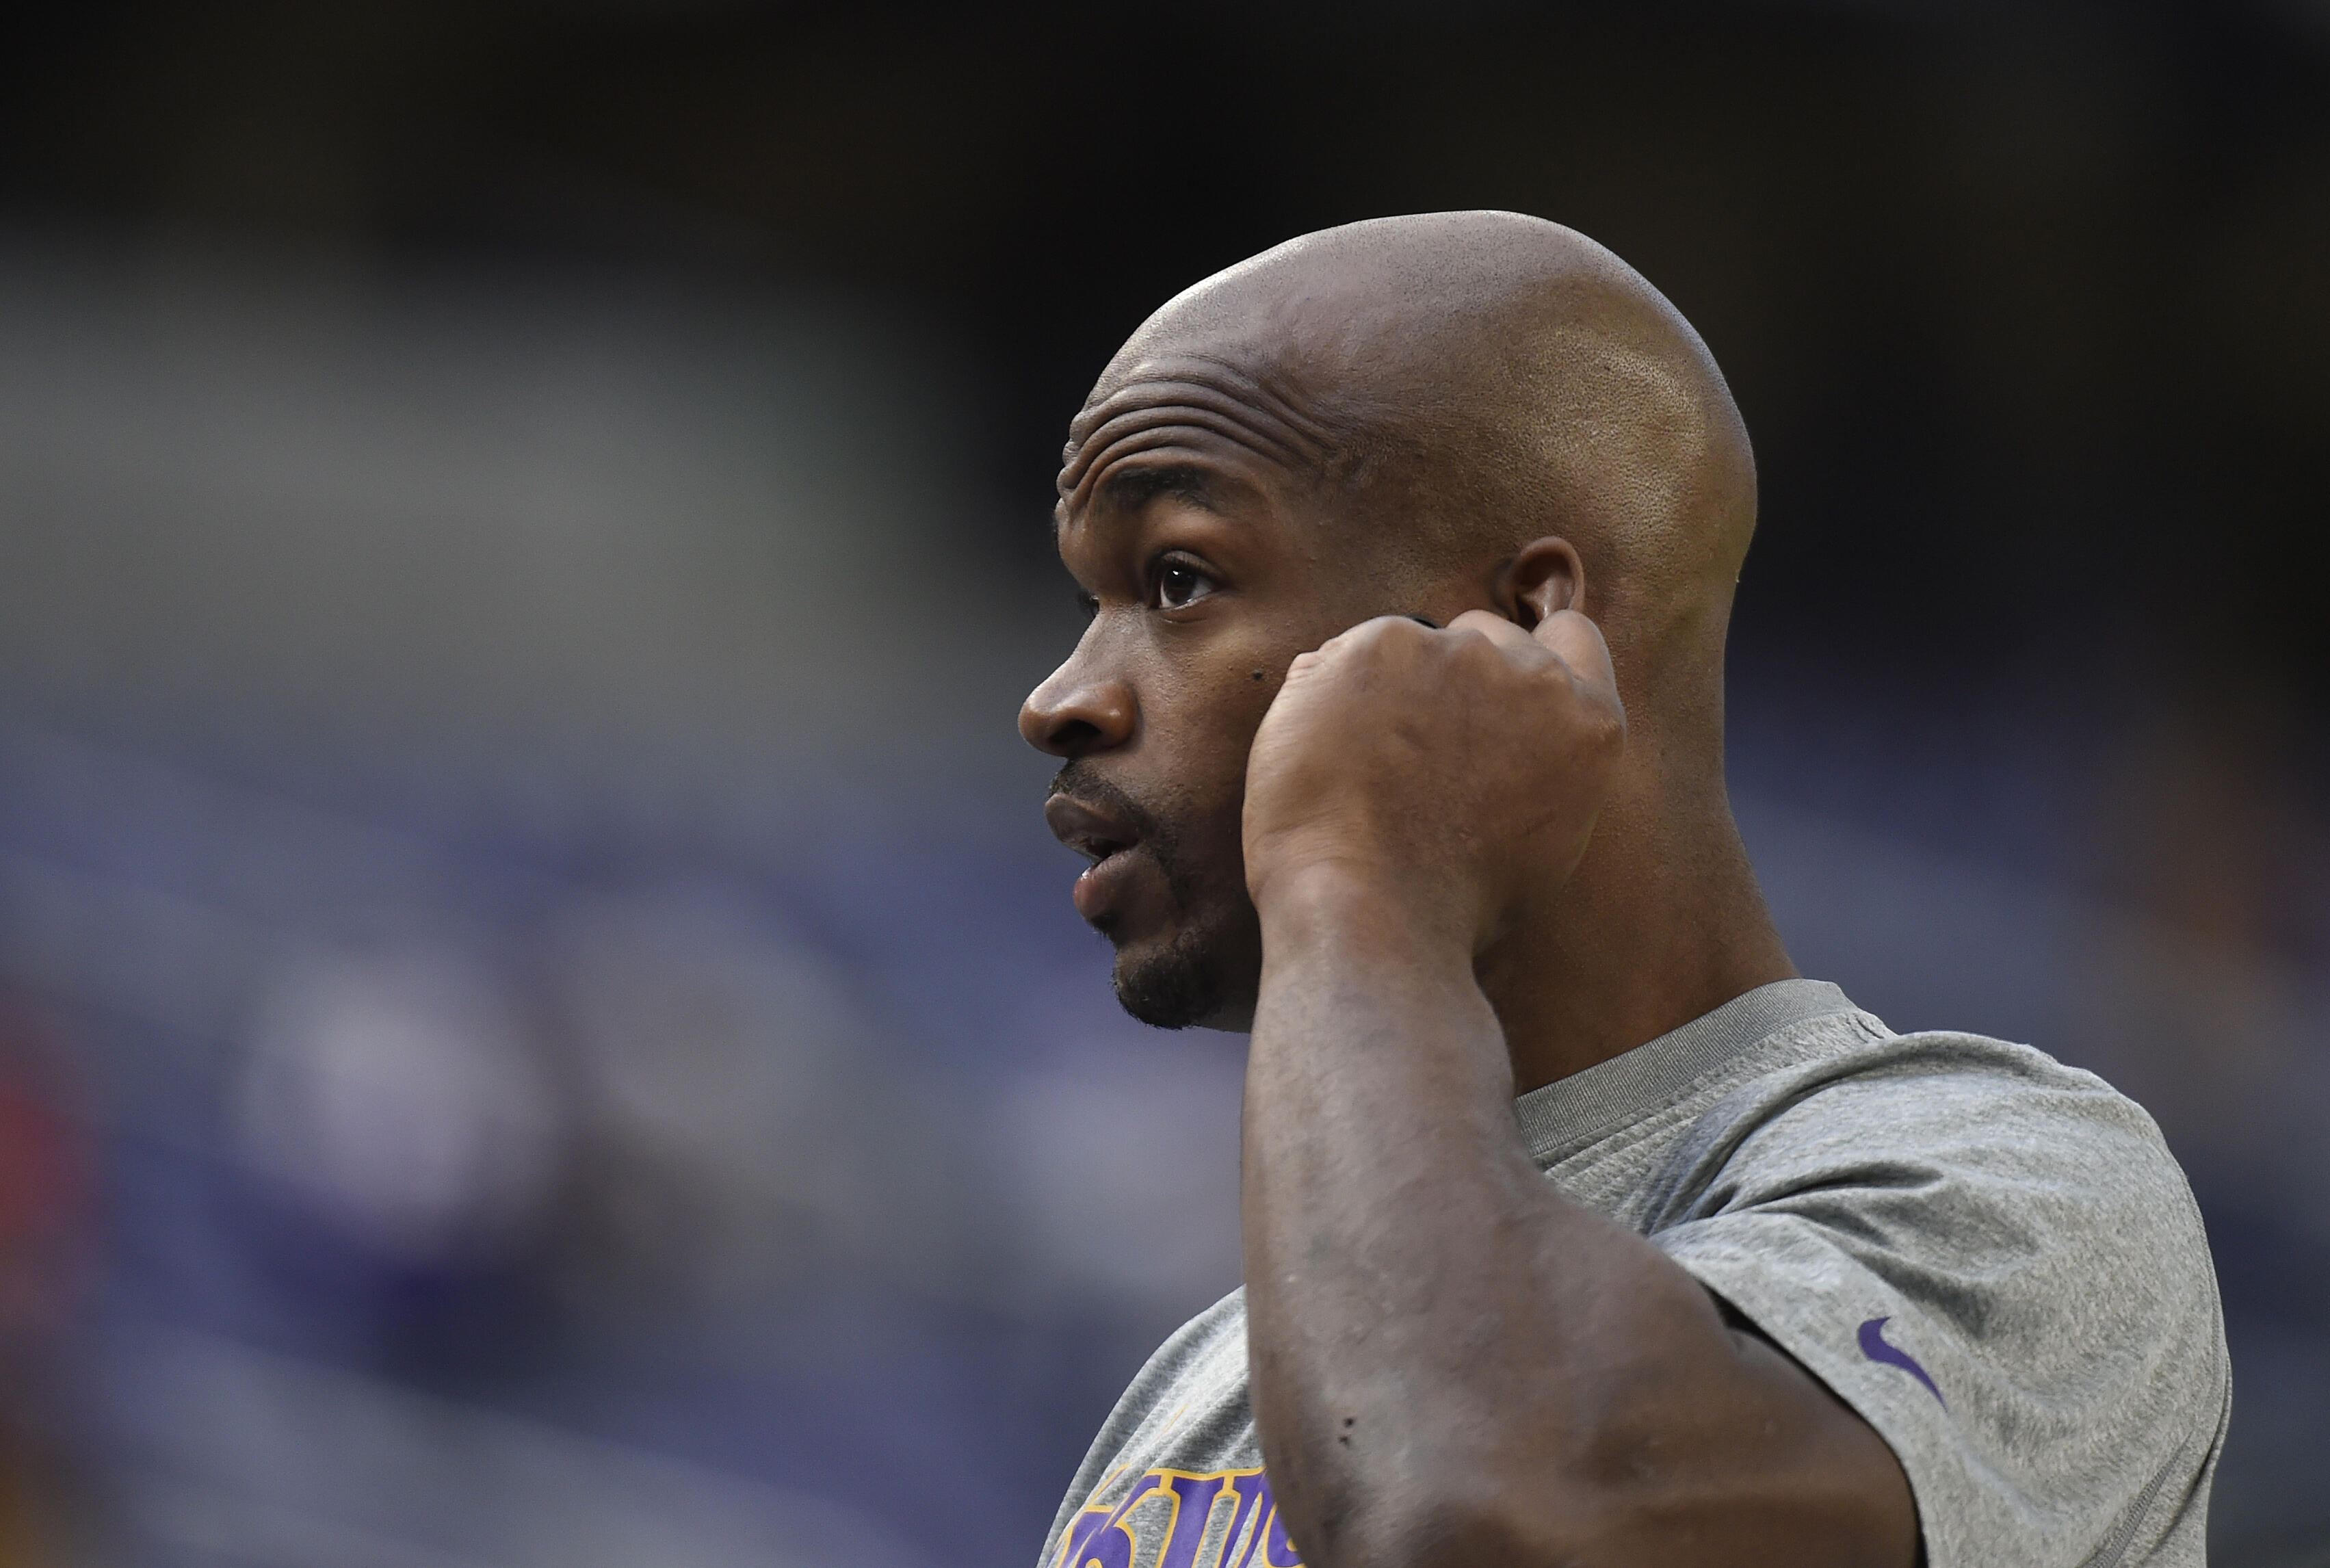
(539, 1022)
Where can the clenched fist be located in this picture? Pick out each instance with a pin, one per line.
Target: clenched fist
(1453, 770)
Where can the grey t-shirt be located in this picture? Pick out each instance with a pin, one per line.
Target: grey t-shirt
(1992, 1257)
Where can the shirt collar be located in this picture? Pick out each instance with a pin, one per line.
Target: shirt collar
(1609, 1093)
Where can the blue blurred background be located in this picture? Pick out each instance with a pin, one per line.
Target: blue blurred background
(539, 1022)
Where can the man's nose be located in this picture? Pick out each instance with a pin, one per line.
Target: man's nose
(1072, 714)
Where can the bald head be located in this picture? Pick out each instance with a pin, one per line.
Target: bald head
(1453, 385)
(1458, 412)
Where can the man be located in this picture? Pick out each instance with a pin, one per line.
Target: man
(1397, 739)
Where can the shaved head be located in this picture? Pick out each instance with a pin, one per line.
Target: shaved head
(1453, 385)
(1420, 416)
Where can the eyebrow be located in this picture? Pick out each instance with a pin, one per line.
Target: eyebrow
(1134, 488)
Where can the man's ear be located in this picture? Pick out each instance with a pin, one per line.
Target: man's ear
(1542, 577)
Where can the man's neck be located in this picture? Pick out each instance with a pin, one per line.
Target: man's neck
(1663, 922)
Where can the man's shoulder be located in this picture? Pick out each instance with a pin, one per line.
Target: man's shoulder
(1994, 1258)
(1185, 1415)
(1195, 1379)
(1950, 1094)
(1948, 1143)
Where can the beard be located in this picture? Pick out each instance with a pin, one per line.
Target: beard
(1210, 963)
(1184, 985)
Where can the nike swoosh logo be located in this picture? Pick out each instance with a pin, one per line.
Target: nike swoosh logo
(1873, 1346)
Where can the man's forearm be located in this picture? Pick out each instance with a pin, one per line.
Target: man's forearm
(1450, 1362)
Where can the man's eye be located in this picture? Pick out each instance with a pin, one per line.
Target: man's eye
(1179, 584)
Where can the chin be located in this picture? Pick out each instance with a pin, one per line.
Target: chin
(1200, 976)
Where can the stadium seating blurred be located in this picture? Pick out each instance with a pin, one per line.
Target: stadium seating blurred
(539, 1022)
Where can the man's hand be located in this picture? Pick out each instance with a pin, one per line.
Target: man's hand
(1452, 1364)
(1460, 769)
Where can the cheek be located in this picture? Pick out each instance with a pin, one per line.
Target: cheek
(1204, 697)
(1198, 738)
(1221, 729)
(1211, 707)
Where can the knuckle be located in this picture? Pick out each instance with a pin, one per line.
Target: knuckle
(1608, 723)
(1399, 632)
(1472, 648)
(1385, 641)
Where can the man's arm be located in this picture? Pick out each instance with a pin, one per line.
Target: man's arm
(1452, 1364)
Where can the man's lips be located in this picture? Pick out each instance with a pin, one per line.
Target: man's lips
(1087, 829)
(1104, 839)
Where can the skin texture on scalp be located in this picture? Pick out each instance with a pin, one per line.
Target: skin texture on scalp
(1432, 868)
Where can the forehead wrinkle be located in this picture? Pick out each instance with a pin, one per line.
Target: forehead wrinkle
(1115, 494)
(1168, 439)
(1263, 415)
(1270, 391)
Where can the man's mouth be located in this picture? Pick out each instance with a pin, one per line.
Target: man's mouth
(1101, 838)
(1088, 830)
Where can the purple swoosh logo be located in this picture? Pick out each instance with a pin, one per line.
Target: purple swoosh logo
(1873, 1346)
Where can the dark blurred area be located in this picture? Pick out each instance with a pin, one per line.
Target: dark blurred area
(539, 1021)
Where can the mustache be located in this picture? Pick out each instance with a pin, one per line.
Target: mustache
(1157, 836)
(1080, 781)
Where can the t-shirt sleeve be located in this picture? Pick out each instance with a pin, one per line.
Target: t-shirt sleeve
(1995, 1261)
